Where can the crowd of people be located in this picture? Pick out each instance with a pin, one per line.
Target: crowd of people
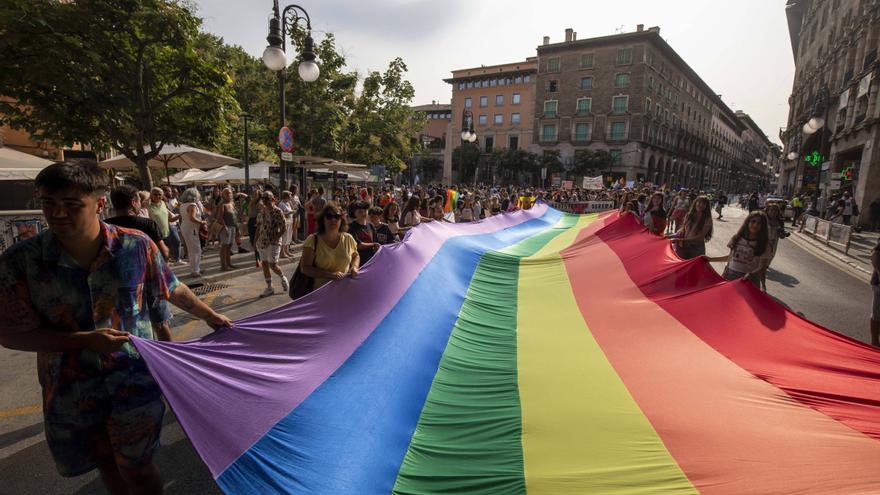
(76, 293)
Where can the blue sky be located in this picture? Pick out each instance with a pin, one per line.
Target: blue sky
(741, 49)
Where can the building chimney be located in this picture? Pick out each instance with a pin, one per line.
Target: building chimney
(640, 28)
(546, 40)
(574, 36)
(654, 29)
(568, 33)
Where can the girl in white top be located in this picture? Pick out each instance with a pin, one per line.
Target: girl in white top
(411, 216)
(750, 250)
(466, 213)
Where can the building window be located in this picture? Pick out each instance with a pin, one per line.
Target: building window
(550, 108)
(587, 61)
(514, 118)
(517, 80)
(553, 65)
(460, 85)
(581, 131)
(484, 101)
(621, 80)
(493, 82)
(548, 132)
(513, 142)
(619, 104)
(618, 131)
(526, 78)
(499, 100)
(482, 120)
(624, 56)
(489, 143)
(584, 106)
(650, 82)
(516, 99)
(552, 86)
(467, 102)
(586, 83)
(647, 105)
(499, 118)
(469, 84)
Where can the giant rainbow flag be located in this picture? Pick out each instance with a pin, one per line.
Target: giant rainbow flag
(533, 352)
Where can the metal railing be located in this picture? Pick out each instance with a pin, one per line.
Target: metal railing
(18, 225)
(832, 234)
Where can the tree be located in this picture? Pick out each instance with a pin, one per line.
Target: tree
(591, 163)
(132, 75)
(382, 125)
(430, 167)
(318, 112)
(464, 162)
(513, 163)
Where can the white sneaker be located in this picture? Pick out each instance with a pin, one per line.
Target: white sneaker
(285, 285)
(268, 292)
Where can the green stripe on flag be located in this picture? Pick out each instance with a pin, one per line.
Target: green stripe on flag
(469, 435)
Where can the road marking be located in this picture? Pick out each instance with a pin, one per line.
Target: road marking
(21, 411)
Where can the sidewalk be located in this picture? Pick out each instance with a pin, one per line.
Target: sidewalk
(856, 262)
(211, 273)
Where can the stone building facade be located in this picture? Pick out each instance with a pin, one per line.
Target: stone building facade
(433, 137)
(501, 99)
(632, 95)
(832, 135)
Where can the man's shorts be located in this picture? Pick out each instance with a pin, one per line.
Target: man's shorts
(271, 253)
(227, 236)
(875, 305)
(117, 415)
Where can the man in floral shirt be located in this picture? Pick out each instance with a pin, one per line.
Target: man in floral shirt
(73, 295)
(270, 230)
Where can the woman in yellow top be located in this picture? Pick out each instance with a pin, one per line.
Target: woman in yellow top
(331, 252)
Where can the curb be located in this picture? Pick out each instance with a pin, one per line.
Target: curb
(831, 256)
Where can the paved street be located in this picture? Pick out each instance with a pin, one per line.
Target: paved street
(809, 286)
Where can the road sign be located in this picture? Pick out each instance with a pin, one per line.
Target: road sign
(285, 139)
(835, 184)
(287, 156)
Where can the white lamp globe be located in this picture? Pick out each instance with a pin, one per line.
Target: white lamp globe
(274, 58)
(808, 130)
(309, 71)
(792, 155)
(473, 137)
(465, 135)
(816, 123)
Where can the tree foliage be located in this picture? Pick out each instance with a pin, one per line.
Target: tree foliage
(591, 162)
(132, 75)
(382, 126)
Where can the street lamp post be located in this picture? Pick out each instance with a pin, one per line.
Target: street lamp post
(468, 135)
(275, 58)
(246, 154)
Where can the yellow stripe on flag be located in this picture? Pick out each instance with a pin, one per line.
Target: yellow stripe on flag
(582, 431)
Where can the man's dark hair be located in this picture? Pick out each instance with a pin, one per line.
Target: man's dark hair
(122, 196)
(376, 210)
(86, 178)
(360, 205)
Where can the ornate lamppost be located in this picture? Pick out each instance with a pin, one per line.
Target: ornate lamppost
(468, 135)
(275, 58)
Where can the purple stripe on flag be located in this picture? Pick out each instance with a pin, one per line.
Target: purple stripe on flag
(267, 364)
